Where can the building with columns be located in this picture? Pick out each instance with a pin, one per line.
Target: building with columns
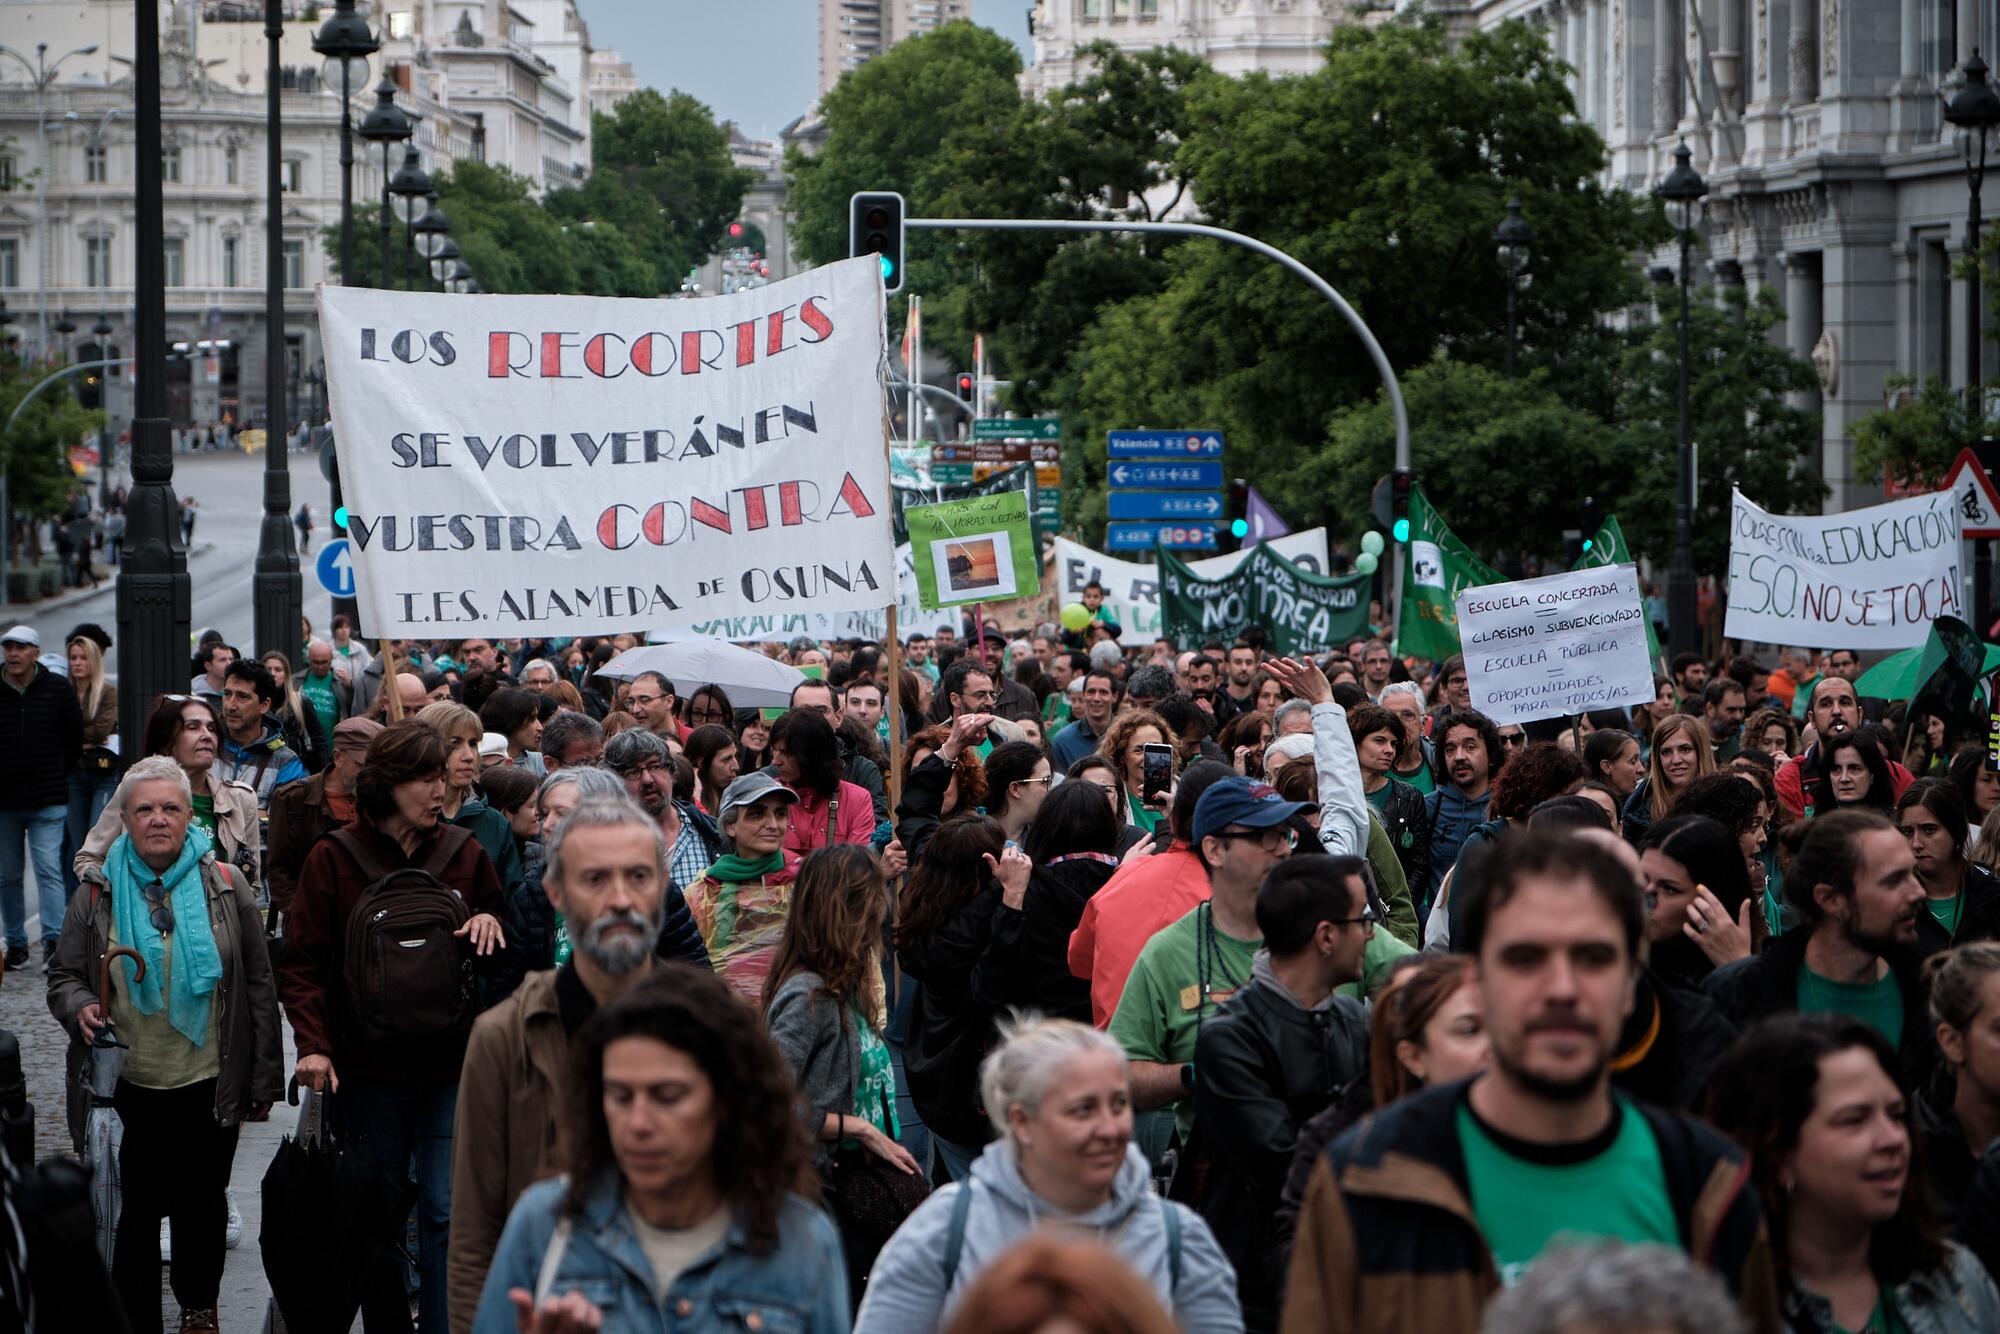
(1832, 175)
(1235, 36)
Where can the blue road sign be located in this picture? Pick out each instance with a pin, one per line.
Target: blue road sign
(334, 568)
(1165, 505)
(1146, 536)
(1165, 444)
(1162, 476)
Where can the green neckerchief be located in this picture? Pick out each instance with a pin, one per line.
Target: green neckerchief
(730, 869)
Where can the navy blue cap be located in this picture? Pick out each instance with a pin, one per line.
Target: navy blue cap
(1241, 801)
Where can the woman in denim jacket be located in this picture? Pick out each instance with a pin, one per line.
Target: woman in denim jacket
(1818, 1101)
(687, 1204)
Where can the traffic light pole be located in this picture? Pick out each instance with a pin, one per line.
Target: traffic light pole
(1251, 243)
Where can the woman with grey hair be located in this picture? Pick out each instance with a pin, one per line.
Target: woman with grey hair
(1608, 1285)
(536, 938)
(1060, 1094)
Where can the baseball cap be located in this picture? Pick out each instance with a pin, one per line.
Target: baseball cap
(1292, 746)
(1241, 801)
(22, 634)
(749, 790)
(492, 743)
(354, 733)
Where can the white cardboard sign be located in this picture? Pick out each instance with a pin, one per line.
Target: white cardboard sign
(1555, 646)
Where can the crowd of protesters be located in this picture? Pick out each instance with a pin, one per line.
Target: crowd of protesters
(1041, 982)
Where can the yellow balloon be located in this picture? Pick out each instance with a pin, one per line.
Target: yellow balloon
(1075, 616)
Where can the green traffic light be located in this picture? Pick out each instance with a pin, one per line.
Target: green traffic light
(340, 517)
(1401, 530)
(1589, 542)
(888, 268)
(1239, 528)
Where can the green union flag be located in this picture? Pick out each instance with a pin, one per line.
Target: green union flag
(1607, 547)
(1436, 568)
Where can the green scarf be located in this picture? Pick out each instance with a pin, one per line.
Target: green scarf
(730, 869)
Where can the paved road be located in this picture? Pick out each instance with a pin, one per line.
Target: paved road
(228, 490)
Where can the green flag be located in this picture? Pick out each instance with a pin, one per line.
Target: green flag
(1299, 612)
(980, 549)
(1436, 568)
(1607, 547)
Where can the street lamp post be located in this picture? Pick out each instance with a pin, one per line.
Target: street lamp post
(153, 590)
(1513, 239)
(102, 331)
(346, 42)
(1682, 192)
(42, 74)
(280, 597)
(385, 124)
(1975, 109)
(427, 234)
(444, 256)
(64, 327)
(410, 187)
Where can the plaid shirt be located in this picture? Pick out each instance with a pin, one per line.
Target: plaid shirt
(692, 852)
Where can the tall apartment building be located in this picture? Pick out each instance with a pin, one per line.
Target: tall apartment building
(853, 32)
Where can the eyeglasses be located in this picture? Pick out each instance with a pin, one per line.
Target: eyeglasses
(1366, 921)
(980, 696)
(156, 903)
(706, 715)
(1044, 780)
(644, 699)
(1278, 836)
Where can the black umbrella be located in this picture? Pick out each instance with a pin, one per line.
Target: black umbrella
(329, 1214)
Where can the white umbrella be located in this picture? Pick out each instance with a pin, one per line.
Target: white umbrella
(749, 678)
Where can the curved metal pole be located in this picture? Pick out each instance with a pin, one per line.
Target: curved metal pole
(1319, 284)
(6, 500)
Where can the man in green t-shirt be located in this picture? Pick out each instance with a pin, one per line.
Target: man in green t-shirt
(1854, 884)
(330, 697)
(1445, 1195)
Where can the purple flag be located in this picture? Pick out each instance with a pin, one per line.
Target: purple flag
(1264, 521)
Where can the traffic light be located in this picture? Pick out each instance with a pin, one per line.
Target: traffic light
(736, 231)
(964, 383)
(1401, 483)
(1593, 519)
(1236, 510)
(875, 227)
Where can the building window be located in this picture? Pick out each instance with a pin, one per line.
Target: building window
(170, 166)
(1149, 9)
(229, 249)
(295, 263)
(8, 178)
(97, 261)
(173, 257)
(229, 164)
(10, 261)
(292, 174)
(93, 163)
(1093, 9)
(402, 23)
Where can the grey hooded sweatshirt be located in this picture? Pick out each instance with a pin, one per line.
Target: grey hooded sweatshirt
(907, 1292)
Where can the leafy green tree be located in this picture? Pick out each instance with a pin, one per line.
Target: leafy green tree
(1746, 435)
(39, 480)
(1917, 442)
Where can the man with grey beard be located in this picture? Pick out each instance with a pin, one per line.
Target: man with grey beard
(605, 872)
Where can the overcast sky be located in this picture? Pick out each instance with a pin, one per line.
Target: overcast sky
(755, 62)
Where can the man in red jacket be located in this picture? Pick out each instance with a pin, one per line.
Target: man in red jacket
(1833, 710)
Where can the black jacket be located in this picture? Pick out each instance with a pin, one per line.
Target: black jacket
(41, 734)
(865, 774)
(1029, 956)
(1264, 1065)
(1768, 983)
(1978, 920)
(1950, 1166)
(1669, 1063)
(1409, 831)
(953, 1023)
(921, 810)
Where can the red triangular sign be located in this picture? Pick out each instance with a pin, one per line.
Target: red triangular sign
(1978, 502)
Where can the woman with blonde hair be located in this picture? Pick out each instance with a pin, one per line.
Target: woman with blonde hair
(1682, 752)
(295, 718)
(1060, 1095)
(464, 805)
(95, 777)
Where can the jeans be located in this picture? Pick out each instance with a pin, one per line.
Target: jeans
(89, 793)
(42, 832)
(174, 1164)
(912, 1134)
(957, 1158)
(408, 1130)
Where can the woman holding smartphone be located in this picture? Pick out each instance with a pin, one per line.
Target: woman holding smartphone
(1125, 745)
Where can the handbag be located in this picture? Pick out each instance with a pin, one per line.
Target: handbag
(868, 1198)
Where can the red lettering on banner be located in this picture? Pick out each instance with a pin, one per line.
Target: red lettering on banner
(704, 513)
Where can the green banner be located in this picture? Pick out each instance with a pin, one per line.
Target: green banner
(981, 549)
(1948, 672)
(1436, 568)
(1607, 547)
(1298, 611)
(1020, 477)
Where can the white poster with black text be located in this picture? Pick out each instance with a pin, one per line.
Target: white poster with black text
(1560, 645)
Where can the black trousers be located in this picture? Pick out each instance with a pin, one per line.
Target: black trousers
(173, 1164)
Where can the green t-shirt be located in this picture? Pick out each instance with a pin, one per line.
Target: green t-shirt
(1418, 778)
(1145, 817)
(1379, 798)
(1947, 912)
(204, 815)
(1525, 1196)
(318, 690)
(1878, 1004)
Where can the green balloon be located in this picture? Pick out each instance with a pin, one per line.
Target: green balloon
(1075, 616)
(1365, 562)
(1371, 542)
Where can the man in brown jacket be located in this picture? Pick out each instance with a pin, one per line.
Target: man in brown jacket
(301, 812)
(606, 875)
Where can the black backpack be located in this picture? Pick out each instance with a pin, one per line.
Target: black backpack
(408, 978)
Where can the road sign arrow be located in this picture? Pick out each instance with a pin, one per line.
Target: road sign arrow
(1118, 476)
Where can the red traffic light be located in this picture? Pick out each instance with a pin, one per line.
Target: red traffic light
(735, 230)
(965, 386)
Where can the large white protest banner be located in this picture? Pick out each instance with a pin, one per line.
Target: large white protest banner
(1132, 590)
(1563, 644)
(537, 465)
(1868, 578)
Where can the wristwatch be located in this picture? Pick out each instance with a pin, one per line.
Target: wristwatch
(1187, 1075)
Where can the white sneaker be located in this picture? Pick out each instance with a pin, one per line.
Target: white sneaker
(234, 1233)
(166, 1242)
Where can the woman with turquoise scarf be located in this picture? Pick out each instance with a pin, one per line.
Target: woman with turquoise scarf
(201, 1028)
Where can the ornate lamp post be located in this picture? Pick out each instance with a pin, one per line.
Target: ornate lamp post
(346, 42)
(1682, 192)
(410, 187)
(1513, 239)
(385, 124)
(279, 598)
(427, 234)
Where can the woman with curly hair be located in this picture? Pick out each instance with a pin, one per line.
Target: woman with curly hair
(690, 1186)
(942, 777)
(1124, 744)
(1772, 731)
(1682, 751)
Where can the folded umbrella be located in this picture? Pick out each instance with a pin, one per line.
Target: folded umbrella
(1900, 674)
(750, 679)
(103, 1132)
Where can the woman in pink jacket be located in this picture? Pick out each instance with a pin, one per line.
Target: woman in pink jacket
(830, 810)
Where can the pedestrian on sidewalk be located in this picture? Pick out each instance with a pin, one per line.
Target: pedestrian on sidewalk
(303, 520)
(202, 1031)
(114, 537)
(97, 772)
(44, 727)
